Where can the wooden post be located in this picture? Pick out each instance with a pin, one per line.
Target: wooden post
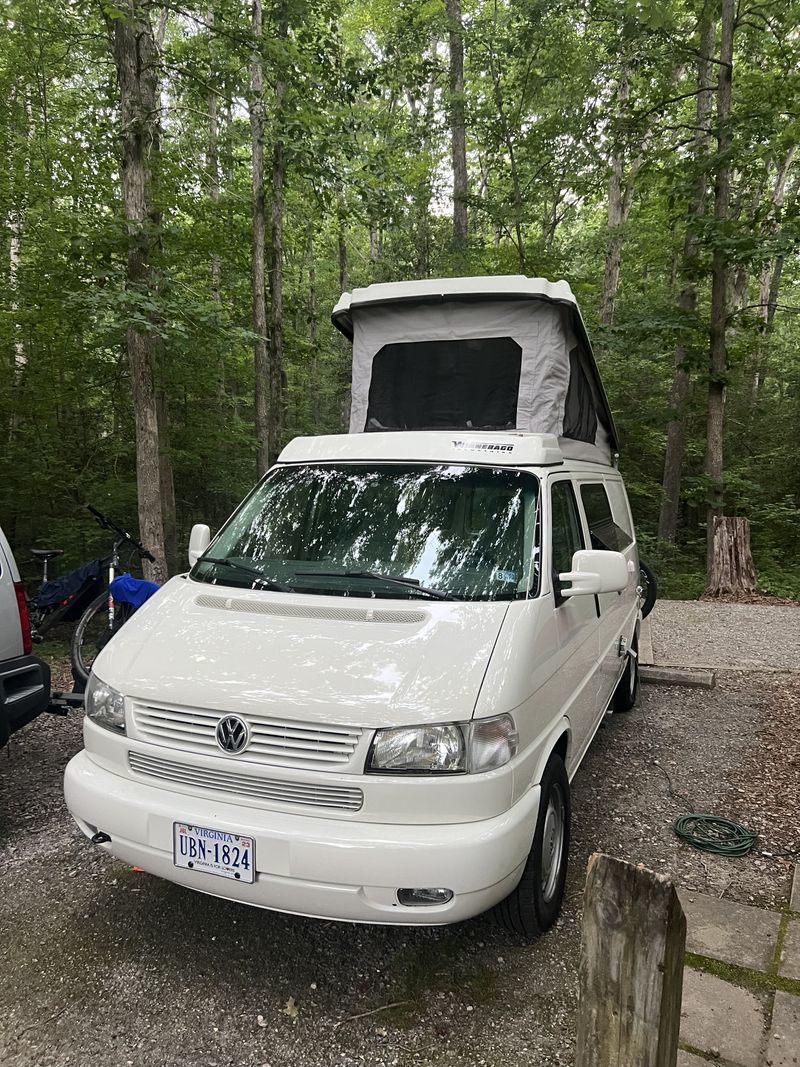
(631, 972)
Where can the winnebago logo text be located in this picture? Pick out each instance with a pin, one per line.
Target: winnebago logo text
(483, 446)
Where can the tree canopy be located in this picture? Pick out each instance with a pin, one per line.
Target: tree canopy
(589, 139)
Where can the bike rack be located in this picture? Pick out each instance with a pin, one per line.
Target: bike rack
(61, 702)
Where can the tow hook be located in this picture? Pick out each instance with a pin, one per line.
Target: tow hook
(100, 838)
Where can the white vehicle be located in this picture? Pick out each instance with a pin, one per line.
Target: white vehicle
(367, 698)
(24, 678)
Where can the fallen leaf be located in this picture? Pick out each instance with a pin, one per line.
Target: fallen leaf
(291, 1009)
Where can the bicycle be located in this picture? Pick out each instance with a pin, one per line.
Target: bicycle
(105, 614)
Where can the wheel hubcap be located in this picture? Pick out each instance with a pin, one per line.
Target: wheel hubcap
(552, 842)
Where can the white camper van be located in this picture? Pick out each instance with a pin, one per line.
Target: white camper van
(367, 698)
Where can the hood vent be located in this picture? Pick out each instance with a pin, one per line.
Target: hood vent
(302, 611)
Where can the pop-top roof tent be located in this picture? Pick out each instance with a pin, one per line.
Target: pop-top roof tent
(498, 353)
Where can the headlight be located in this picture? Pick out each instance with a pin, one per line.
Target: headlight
(418, 750)
(478, 746)
(104, 705)
(492, 743)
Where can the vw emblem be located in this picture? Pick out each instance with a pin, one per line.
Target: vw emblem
(232, 734)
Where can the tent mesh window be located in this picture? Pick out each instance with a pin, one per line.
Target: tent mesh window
(441, 385)
(580, 409)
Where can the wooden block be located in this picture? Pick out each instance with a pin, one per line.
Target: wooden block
(631, 970)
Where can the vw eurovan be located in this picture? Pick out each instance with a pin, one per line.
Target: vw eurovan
(368, 696)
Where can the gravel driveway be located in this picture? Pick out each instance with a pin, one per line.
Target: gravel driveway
(105, 965)
(689, 633)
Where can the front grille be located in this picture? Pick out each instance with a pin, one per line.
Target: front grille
(343, 798)
(284, 744)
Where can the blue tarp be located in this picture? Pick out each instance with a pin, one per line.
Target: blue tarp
(134, 591)
(60, 589)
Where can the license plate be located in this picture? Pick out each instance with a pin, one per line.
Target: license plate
(199, 848)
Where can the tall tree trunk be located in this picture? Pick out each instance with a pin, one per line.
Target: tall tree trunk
(718, 353)
(135, 52)
(214, 193)
(687, 301)
(258, 273)
(167, 482)
(313, 338)
(458, 124)
(276, 373)
(341, 247)
(214, 182)
(620, 199)
(508, 141)
(770, 276)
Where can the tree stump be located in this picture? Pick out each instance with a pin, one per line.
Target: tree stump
(732, 572)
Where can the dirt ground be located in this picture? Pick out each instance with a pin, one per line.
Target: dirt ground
(107, 966)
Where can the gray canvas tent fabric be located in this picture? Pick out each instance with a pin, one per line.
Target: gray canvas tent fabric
(558, 389)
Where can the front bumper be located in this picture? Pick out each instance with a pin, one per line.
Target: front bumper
(307, 865)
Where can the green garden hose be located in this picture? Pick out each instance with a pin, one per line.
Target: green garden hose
(712, 833)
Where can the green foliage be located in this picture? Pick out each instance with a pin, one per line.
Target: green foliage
(365, 127)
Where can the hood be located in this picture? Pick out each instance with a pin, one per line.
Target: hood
(345, 660)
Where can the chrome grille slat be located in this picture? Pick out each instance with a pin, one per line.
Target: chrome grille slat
(277, 741)
(272, 741)
(345, 798)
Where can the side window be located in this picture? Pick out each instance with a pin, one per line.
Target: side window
(620, 508)
(605, 533)
(566, 527)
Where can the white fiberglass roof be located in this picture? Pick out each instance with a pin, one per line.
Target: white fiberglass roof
(508, 286)
(469, 447)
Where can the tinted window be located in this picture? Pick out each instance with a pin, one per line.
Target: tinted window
(466, 531)
(605, 533)
(566, 528)
(437, 385)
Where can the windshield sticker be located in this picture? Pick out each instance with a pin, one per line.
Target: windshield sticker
(483, 446)
(505, 576)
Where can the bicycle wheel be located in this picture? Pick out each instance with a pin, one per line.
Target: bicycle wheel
(649, 587)
(90, 636)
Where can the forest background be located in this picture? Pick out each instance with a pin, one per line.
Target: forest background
(185, 190)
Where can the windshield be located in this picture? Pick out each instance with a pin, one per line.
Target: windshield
(451, 531)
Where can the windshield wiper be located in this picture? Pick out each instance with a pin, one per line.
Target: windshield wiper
(375, 576)
(257, 575)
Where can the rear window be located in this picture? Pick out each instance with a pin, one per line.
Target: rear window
(605, 532)
(437, 385)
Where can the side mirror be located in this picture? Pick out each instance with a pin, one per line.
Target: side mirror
(595, 571)
(199, 540)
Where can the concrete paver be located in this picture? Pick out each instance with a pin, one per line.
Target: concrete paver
(790, 952)
(783, 1044)
(730, 932)
(794, 903)
(721, 1019)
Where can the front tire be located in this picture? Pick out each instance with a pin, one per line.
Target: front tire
(649, 588)
(533, 907)
(626, 695)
